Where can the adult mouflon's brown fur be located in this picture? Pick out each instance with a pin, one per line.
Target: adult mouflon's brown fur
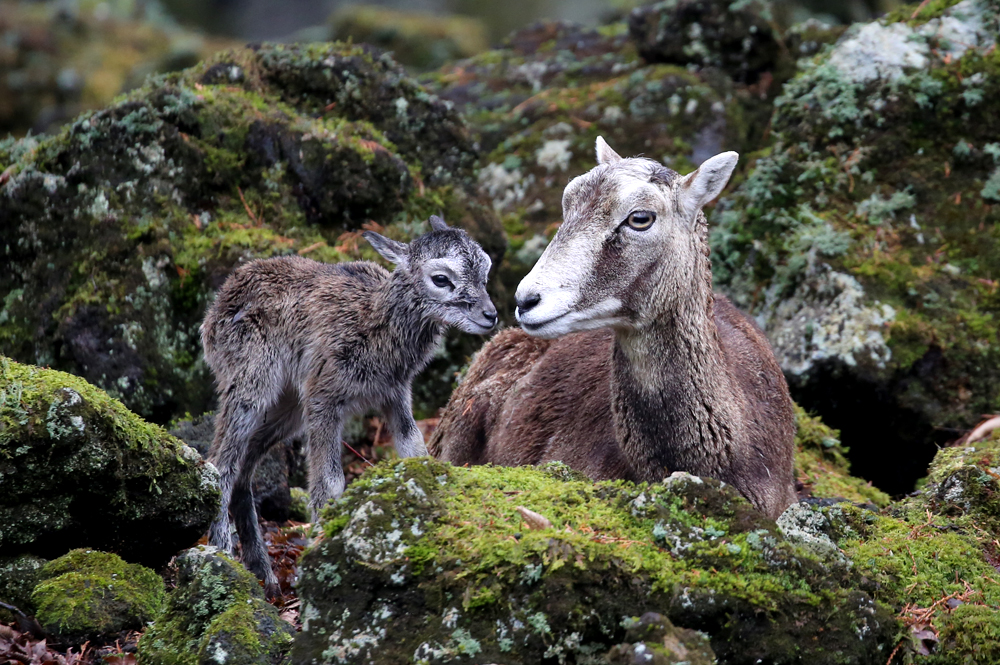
(298, 346)
(645, 371)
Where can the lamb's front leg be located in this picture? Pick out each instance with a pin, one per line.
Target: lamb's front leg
(326, 475)
(407, 438)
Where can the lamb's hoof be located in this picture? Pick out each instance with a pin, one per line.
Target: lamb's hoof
(272, 591)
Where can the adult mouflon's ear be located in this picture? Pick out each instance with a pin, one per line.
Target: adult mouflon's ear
(705, 183)
(391, 250)
(605, 155)
(437, 224)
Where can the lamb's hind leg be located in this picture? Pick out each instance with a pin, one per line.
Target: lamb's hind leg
(281, 421)
(235, 424)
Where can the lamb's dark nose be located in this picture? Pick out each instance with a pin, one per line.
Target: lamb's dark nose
(490, 315)
(526, 303)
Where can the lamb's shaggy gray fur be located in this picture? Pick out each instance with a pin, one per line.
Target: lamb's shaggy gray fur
(298, 346)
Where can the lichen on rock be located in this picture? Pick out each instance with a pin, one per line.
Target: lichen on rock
(423, 562)
(80, 470)
(216, 614)
(90, 595)
(863, 239)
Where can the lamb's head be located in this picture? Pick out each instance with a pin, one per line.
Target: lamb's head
(630, 241)
(448, 270)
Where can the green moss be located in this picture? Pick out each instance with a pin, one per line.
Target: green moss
(92, 595)
(216, 614)
(138, 491)
(449, 545)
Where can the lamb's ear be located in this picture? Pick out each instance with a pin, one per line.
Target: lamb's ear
(391, 250)
(605, 155)
(705, 183)
(437, 224)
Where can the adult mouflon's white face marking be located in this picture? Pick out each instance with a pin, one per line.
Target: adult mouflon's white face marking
(630, 230)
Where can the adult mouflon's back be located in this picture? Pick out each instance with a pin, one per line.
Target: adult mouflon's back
(298, 345)
(651, 372)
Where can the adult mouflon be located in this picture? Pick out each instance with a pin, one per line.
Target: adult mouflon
(628, 365)
(298, 346)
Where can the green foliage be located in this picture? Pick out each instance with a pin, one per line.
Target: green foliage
(92, 595)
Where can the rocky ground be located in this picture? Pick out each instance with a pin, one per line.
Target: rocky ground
(859, 230)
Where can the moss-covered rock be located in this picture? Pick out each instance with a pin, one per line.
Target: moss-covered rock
(116, 231)
(79, 470)
(423, 562)
(58, 59)
(736, 37)
(216, 614)
(865, 238)
(416, 39)
(90, 595)
(299, 508)
(933, 558)
(653, 639)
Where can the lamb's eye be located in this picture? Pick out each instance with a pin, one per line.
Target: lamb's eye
(442, 282)
(640, 220)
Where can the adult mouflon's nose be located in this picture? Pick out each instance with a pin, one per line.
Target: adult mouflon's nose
(527, 302)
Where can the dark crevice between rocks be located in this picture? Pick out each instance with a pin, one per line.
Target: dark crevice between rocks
(889, 445)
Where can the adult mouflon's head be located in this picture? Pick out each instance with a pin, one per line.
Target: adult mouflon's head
(628, 246)
(449, 270)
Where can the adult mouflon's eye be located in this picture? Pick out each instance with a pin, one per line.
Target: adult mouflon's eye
(640, 220)
(442, 282)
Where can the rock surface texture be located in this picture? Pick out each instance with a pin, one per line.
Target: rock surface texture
(79, 470)
(216, 614)
(422, 562)
(864, 240)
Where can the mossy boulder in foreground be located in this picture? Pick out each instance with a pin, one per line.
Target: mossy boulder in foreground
(79, 470)
(115, 232)
(423, 562)
(217, 614)
(89, 595)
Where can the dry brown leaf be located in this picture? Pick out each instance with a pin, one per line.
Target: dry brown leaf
(533, 520)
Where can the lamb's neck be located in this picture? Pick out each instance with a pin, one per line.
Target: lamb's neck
(403, 319)
(675, 407)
